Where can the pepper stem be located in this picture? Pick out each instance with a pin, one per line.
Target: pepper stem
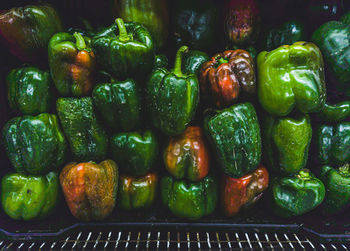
(222, 60)
(79, 41)
(178, 60)
(123, 34)
(304, 174)
(344, 170)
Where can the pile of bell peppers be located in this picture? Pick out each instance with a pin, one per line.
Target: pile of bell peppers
(153, 108)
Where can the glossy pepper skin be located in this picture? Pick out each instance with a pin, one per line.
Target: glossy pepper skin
(29, 197)
(193, 61)
(226, 75)
(187, 155)
(26, 31)
(238, 194)
(172, 97)
(296, 195)
(242, 21)
(188, 200)
(124, 49)
(234, 135)
(119, 104)
(153, 14)
(334, 112)
(35, 144)
(291, 76)
(160, 61)
(135, 152)
(286, 142)
(332, 143)
(195, 24)
(72, 64)
(90, 189)
(87, 138)
(286, 33)
(137, 192)
(337, 183)
(333, 38)
(29, 90)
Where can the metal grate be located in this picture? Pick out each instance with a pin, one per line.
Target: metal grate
(176, 241)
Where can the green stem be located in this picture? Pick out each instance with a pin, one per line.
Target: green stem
(222, 60)
(178, 60)
(79, 41)
(123, 34)
(344, 170)
(304, 174)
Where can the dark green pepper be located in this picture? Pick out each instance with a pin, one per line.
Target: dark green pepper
(72, 64)
(291, 76)
(29, 90)
(127, 54)
(135, 153)
(87, 138)
(190, 200)
(286, 142)
(282, 34)
(26, 31)
(296, 195)
(337, 183)
(193, 61)
(119, 104)
(35, 144)
(333, 144)
(172, 97)
(137, 193)
(334, 113)
(196, 24)
(333, 38)
(234, 134)
(160, 61)
(151, 13)
(28, 197)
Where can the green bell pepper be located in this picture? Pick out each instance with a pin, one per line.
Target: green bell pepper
(128, 54)
(172, 97)
(135, 153)
(26, 31)
(119, 104)
(160, 61)
(190, 200)
(87, 138)
(332, 143)
(337, 183)
(286, 142)
(286, 33)
(72, 64)
(195, 24)
(29, 90)
(151, 13)
(296, 195)
(234, 134)
(334, 112)
(137, 193)
(333, 38)
(193, 61)
(35, 145)
(291, 76)
(28, 197)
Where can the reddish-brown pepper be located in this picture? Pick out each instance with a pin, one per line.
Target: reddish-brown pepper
(243, 192)
(187, 155)
(226, 75)
(90, 189)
